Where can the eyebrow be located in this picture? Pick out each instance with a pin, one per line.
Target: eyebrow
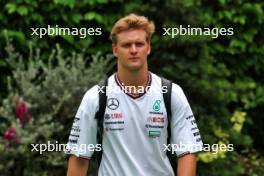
(129, 42)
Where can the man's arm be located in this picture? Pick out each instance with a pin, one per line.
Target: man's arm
(187, 165)
(77, 166)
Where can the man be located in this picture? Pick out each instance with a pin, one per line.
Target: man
(135, 121)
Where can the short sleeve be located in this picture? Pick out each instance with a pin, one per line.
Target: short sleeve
(185, 136)
(82, 140)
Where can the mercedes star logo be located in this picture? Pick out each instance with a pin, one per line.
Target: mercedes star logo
(112, 103)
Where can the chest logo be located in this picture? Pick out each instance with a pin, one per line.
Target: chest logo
(156, 105)
(112, 103)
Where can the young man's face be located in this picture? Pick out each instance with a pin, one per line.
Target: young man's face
(131, 49)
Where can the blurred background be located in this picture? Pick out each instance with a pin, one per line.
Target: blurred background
(43, 79)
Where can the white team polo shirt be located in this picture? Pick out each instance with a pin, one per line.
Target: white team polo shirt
(135, 129)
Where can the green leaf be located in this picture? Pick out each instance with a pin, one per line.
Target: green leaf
(69, 3)
(225, 14)
(102, 1)
(68, 38)
(253, 8)
(93, 16)
(22, 10)
(2, 63)
(249, 35)
(240, 19)
(238, 44)
(11, 8)
(222, 2)
(94, 2)
(258, 9)
(76, 18)
(20, 36)
(37, 17)
(218, 47)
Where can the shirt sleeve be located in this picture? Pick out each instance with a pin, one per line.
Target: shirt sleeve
(82, 140)
(185, 136)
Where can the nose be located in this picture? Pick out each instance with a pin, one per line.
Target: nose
(133, 49)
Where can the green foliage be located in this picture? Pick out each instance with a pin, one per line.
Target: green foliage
(53, 92)
(222, 77)
(34, 14)
(17, 18)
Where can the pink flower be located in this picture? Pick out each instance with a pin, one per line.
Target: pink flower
(22, 112)
(10, 137)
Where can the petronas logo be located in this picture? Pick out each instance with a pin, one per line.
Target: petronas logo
(156, 105)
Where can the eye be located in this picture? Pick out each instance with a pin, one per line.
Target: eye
(126, 45)
(140, 44)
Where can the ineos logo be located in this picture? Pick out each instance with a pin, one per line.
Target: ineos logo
(107, 116)
(112, 103)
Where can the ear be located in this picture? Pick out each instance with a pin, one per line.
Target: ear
(149, 48)
(114, 49)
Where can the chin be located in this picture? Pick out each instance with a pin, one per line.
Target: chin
(135, 67)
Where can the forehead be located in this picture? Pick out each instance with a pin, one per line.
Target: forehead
(131, 35)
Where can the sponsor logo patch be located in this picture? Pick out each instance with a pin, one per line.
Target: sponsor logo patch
(115, 122)
(156, 119)
(156, 105)
(112, 103)
(116, 115)
(154, 126)
(113, 129)
(154, 134)
(76, 128)
(76, 119)
(107, 116)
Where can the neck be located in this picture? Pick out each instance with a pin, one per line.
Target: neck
(133, 78)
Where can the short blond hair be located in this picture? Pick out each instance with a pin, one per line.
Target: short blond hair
(132, 21)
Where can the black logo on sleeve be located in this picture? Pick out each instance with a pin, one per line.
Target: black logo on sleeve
(107, 116)
(76, 119)
(112, 103)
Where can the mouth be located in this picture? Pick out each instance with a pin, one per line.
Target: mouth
(133, 58)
